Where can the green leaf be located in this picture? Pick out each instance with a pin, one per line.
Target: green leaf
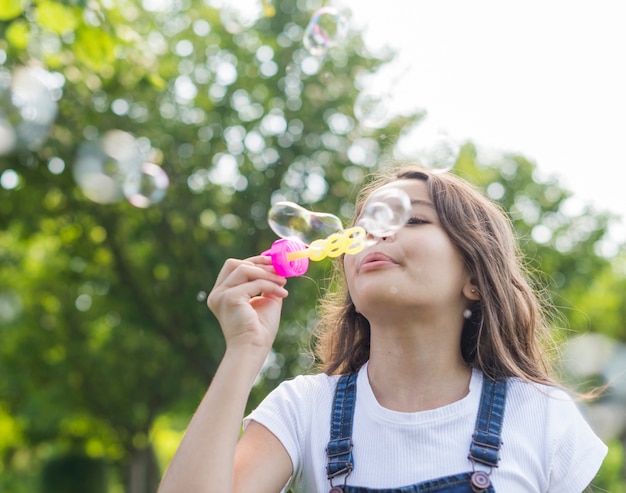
(9, 9)
(57, 17)
(18, 34)
(157, 81)
(94, 47)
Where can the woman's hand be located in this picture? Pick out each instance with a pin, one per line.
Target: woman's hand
(247, 300)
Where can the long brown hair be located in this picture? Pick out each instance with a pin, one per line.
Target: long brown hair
(508, 330)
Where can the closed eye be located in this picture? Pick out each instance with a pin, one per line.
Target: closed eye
(416, 220)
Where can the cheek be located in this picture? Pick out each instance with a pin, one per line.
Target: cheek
(349, 264)
(349, 270)
(441, 247)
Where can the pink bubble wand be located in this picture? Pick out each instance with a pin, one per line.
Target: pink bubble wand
(290, 256)
(385, 212)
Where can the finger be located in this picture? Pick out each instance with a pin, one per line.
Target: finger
(257, 287)
(222, 298)
(262, 261)
(235, 270)
(251, 270)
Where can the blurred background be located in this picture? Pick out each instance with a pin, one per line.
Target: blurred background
(143, 142)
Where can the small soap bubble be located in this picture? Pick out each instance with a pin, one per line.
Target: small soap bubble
(435, 149)
(201, 296)
(146, 186)
(102, 166)
(28, 108)
(289, 220)
(371, 109)
(385, 212)
(326, 29)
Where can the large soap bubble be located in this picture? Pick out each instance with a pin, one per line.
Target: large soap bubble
(102, 166)
(326, 29)
(289, 220)
(385, 212)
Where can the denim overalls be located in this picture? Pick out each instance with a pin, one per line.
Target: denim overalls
(484, 448)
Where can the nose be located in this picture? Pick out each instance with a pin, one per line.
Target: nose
(372, 239)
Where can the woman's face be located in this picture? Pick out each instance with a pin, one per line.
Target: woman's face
(418, 268)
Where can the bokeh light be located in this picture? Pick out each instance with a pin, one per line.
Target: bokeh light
(28, 107)
(9, 179)
(371, 109)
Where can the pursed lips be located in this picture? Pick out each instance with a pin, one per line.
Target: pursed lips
(375, 260)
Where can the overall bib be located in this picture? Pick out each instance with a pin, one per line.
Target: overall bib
(484, 448)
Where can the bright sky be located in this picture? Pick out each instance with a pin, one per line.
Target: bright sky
(545, 78)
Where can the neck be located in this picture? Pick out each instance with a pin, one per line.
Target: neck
(417, 369)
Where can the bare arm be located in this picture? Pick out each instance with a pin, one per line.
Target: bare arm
(205, 459)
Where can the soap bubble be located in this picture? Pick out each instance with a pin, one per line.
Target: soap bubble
(102, 166)
(289, 220)
(326, 28)
(28, 107)
(435, 149)
(371, 109)
(385, 212)
(146, 186)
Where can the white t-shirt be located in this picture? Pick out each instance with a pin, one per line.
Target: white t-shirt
(547, 444)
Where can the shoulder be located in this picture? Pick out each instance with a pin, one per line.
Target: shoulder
(546, 429)
(307, 386)
(547, 409)
(296, 411)
(539, 401)
(295, 397)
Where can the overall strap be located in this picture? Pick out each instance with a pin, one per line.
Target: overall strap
(486, 440)
(339, 449)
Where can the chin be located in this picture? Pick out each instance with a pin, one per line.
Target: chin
(382, 297)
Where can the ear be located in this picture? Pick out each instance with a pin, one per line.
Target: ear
(470, 291)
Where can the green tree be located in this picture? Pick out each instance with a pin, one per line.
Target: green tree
(103, 322)
(108, 326)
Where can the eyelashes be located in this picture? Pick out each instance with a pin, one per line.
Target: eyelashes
(414, 221)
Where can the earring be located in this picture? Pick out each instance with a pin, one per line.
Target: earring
(467, 314)
(473, 290)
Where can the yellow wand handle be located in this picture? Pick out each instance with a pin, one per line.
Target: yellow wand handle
(350, 241)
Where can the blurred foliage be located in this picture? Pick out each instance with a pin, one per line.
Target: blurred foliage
(105, 333)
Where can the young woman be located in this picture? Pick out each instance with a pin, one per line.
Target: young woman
(434, 374)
